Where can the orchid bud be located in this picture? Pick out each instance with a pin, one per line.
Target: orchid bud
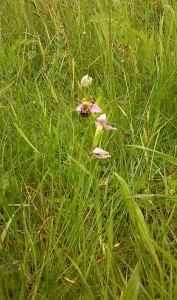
(86, 81)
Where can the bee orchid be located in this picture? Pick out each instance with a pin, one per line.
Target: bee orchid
(102, 121)
(100, 153)
(86, 107)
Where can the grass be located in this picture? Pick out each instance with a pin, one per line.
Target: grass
(73, 227)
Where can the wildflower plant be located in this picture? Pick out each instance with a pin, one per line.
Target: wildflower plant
(85, 108)
(74, 222)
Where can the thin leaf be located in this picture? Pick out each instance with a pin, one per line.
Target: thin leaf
(88, 290)
(140, 184)
(164, 156)
(128, 197)
(80, 166)
(97, 136)
(170, 258)
(4, 233)
(25, 137)
(133, 286)
(138, 219)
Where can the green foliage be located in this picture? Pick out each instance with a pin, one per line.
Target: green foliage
(71, 226)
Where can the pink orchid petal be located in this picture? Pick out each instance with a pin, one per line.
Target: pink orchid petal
(100, 153)
(107, 127)
(97, 124)
(79, 107)
(102, 119)
(95, 108)
(92, 107)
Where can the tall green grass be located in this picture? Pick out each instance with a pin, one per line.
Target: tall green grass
(73, 227)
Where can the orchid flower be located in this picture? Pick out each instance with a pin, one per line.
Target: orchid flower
(87, 107)
(101, 121)
(100, 153)
(86, 81)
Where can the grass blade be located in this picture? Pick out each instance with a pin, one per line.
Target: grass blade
(138, 219)
(88, 290)
(164, 156)
(25, 137)
(133, 286)
(4, 233)
(80, 166)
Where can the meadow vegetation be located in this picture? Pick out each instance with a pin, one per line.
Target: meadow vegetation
(73, 226)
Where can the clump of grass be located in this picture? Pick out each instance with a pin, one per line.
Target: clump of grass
(70, 227)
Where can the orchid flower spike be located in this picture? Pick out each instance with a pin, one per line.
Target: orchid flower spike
(86, 107)
(86, 81)
(101, 121)
(100, 153)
